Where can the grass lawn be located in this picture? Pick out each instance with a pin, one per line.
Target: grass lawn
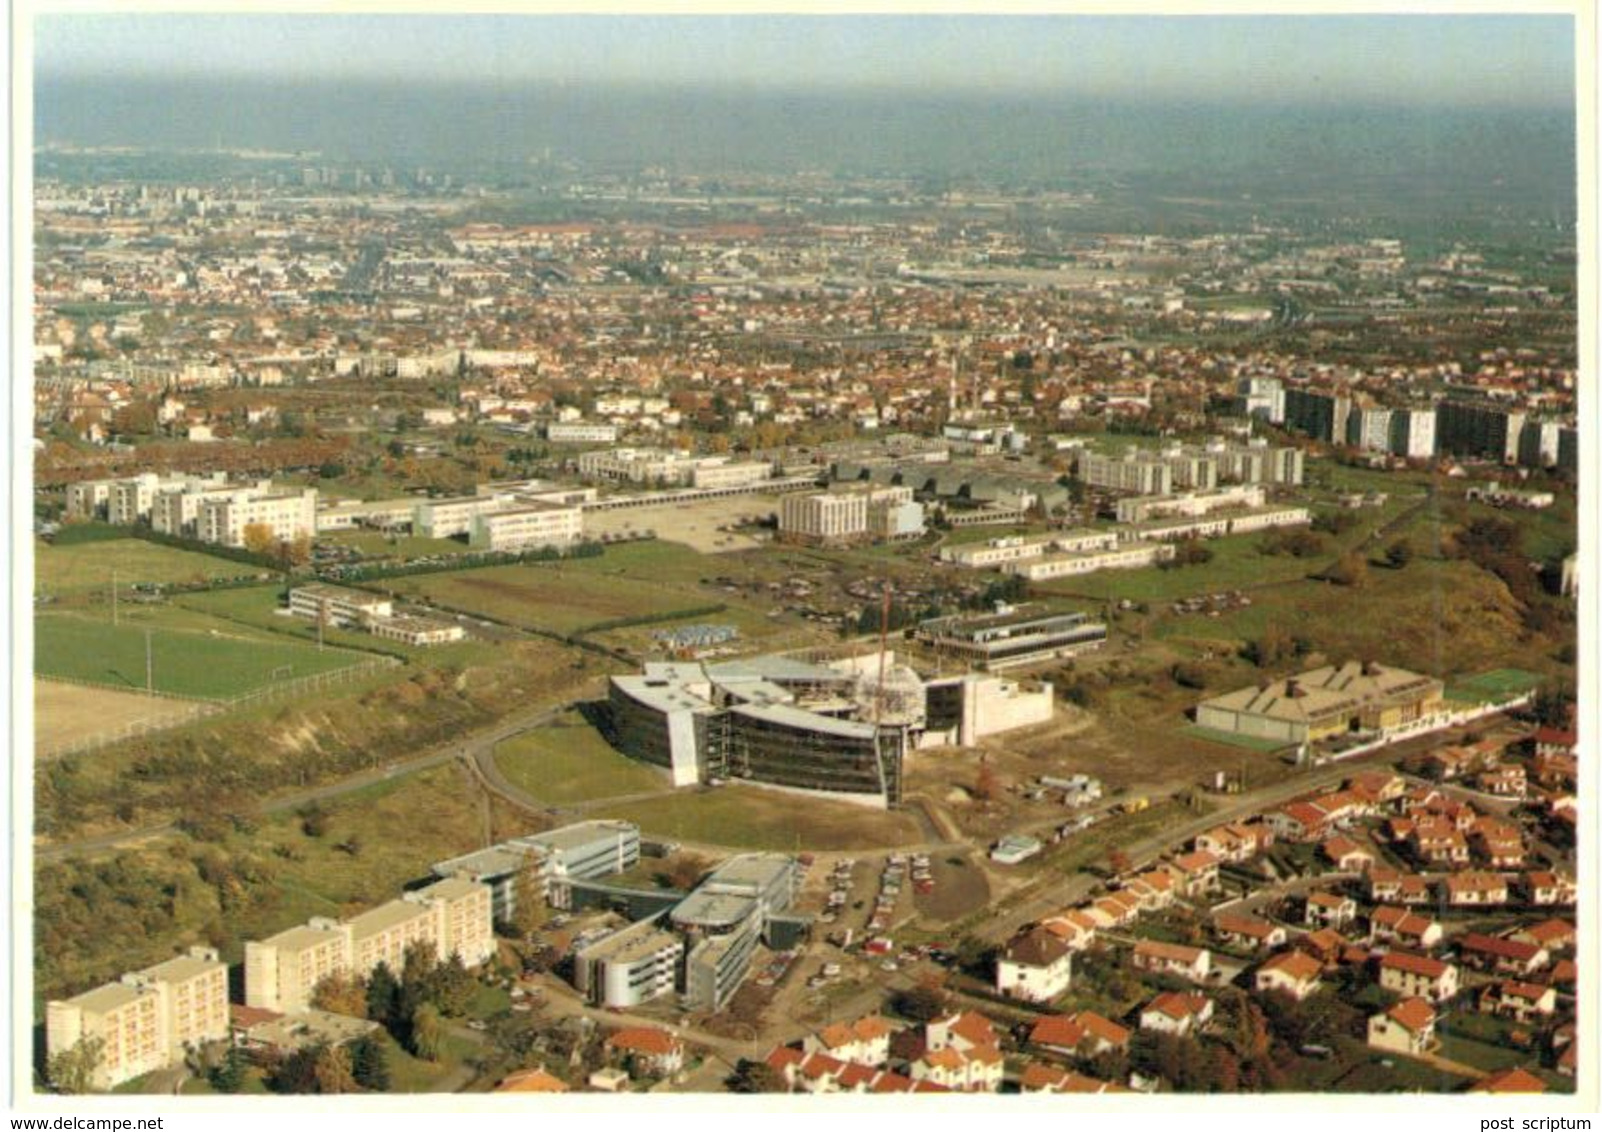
(559, 597)
(1229, 739)
(1494, 685)
(1236, 564)
(749, 817)
(408, 1074)
(184, 662)
(259, 606)
(1404, 1075)
(1481, 1055)
(88, 566)
(1435, 616)
(568, 761)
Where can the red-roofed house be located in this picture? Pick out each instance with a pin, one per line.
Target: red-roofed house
(1329, 910)
(1418, 976)
(1039, 1078)
(1521, 1001)
(1550, 888)
(1554, 935)
(1294, 973)
(648, 1050)
(1347, 855)
(1515, 1080)
(863, 1042)
(1390, 924)
(1193, 963)
(1503, 956)
(1392, 886)
(1197, 872)
(1252, 932)
(1476, 890)
(1085, 1034)
(1408, 1028)
(1181, 1015)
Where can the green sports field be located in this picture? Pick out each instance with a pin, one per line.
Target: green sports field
(91, 566)
(210, 665)
(1498, 684)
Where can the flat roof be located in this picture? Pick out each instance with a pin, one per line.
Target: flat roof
(182, 968)
(637, 941)
(299, 937)
(798, 719)
(497, 860)
(111, 996)
(776, 668)
(662, 693)
(581, 834)
(385, 916)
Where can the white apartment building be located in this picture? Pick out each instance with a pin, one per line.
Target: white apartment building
(444, 518)
(288, 515)
(90, 499)
(714, 473)
(175, 510)
(1141, 508)
(342, 607)
(147, 1019)
(639, 465)
(453, 914)
(1412, 434)
(526, 526)
(823, 517)
(1133, 473)
(1129, 556)
(997, 552)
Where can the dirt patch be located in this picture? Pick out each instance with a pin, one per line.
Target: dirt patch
(704, 526)
(960, 888)
(65, 715)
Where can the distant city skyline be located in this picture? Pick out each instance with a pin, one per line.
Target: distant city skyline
(1501, 60)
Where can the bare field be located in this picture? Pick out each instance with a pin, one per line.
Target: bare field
(694, 524)
(64, 714)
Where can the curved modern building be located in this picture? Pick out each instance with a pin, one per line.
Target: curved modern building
(771, 720)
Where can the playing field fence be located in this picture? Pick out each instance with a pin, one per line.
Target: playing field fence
(205, 706)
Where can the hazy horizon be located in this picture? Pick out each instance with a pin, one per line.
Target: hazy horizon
(1436, 60)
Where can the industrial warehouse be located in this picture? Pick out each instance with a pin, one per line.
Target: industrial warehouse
(839, 729)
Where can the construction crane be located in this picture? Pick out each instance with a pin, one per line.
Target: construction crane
(884, 639)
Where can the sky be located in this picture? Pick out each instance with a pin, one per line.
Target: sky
(1508, 60)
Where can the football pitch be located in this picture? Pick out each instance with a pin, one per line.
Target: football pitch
(208, 665)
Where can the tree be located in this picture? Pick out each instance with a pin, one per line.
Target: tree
(369, 1064)
(1399, 554)
(383, 996)
(453, 987)
(259, 538)
(921, 1003)
(1188, 674)
(313, 819)
(331, 1069)
(756, 1077)
(685, 871)
(1349, 570)
(984, 784)
(341, 992)
(427, 1032)
(228, 1075)
(73, 1070)
(528, 898)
